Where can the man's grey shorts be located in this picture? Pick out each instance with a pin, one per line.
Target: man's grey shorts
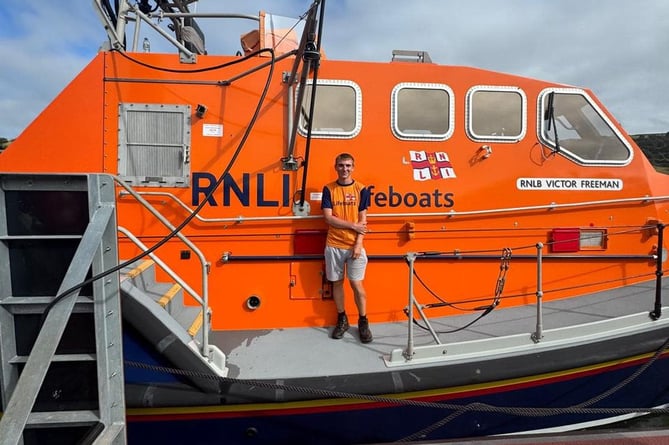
(336, 258)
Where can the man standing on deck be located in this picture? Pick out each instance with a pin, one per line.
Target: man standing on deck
(344, 205)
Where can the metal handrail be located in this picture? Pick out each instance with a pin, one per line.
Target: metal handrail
(537, 335)
(449, 214)
(125, 15)
(115, 33)
(174, 276)
(204, 299)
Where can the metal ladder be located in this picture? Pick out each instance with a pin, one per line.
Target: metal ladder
(61, 371)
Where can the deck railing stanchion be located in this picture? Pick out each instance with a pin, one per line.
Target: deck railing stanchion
(408, 354)
(538, 333)
(656, 313)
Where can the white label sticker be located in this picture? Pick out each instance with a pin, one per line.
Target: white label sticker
(212, 130)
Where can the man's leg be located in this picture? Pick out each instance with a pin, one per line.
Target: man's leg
(356, 274)
(338, 295)
(334, 271)
(342, 321)
(360, 296)
(361, 302)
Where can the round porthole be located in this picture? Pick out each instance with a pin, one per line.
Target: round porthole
(253, 302)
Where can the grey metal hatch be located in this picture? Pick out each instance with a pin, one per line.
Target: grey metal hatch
(154, 144)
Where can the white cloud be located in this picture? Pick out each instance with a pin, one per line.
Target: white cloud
(42, 48)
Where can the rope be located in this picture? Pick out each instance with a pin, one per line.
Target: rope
(457, 409)
(331, 394)
(485, 310)
(435, 426)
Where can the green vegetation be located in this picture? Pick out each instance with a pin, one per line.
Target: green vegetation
(656, 149)
(4, 143)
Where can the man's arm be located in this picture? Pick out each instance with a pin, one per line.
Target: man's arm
(362, 219)
(359, 227)
(365, 202)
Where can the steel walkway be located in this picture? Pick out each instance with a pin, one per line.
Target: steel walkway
(61, 362)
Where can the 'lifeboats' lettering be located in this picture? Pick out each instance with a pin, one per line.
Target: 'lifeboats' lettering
(393, 198)
(576, 184)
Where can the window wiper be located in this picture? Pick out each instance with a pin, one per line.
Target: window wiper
(549, 116)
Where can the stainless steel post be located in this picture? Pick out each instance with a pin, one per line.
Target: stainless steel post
(408, 353)
(538, 334)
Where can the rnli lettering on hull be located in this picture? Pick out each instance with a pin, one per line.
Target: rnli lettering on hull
(576, 184)
(203, 183)
(252, 190)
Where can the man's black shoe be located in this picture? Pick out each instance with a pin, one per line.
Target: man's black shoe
(363, 330)
(341, 327)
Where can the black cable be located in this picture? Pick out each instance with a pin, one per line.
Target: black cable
(199, 70)
(504, 267)
(311, 55)
(110, 12)
(549, 116)
(444, 302)
(145, 7)
(321, 18)
(452, 331)
(485, 309)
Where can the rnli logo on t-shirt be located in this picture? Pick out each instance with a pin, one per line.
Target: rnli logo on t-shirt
(431, 165)
(349, 198)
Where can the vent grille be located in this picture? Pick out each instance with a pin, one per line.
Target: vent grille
(154, 144)
(146, 160)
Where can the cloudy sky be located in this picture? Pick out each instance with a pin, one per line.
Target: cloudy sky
(617, 48)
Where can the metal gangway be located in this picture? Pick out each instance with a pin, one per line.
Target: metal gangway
(61, 361)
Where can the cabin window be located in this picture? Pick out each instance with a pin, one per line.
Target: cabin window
(584, 133)
(337, 109)
(154, 144)
(496, 114)
(422, 111)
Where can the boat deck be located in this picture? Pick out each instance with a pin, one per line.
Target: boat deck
(271, 354)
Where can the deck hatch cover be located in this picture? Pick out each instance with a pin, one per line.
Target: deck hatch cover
(154, 144)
